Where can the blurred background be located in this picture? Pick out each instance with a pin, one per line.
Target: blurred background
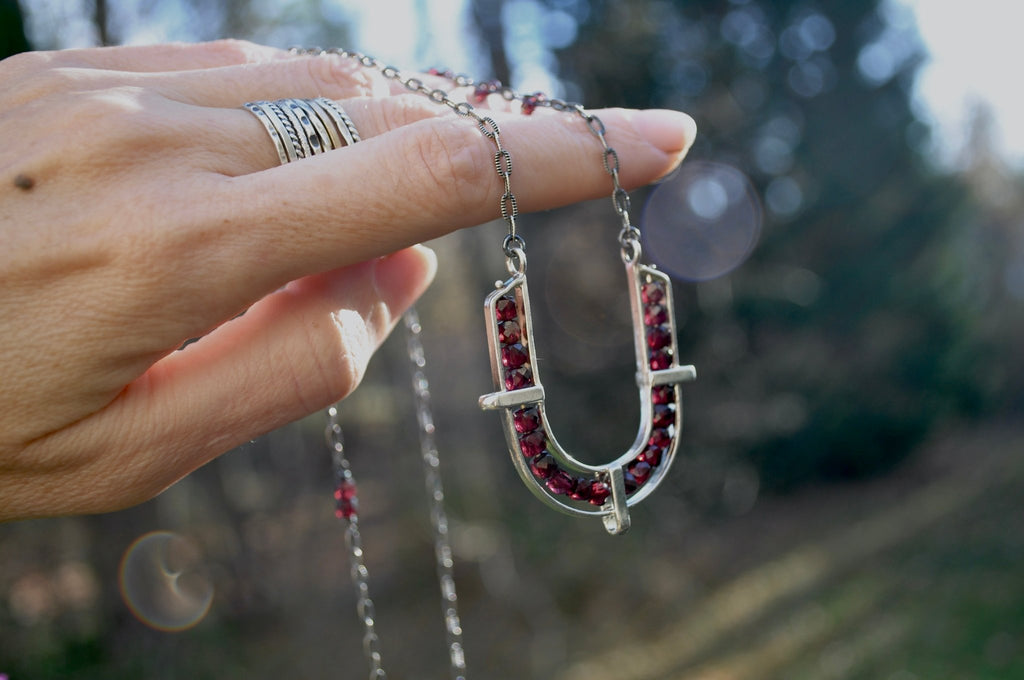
(847, 239)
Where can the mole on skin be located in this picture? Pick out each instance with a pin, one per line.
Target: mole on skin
(23, 181)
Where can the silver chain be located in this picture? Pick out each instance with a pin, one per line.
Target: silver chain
(347, 511)
(487, 126)
(348, 507)
(514, 249)
(629, 236)
(435, 496)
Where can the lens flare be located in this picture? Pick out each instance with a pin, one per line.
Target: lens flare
(703, 222)
(163, 582)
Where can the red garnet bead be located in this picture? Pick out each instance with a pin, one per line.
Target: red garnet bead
(531, 102)
(519, 378)
(508, 332)
(664, 415)
(663, 394)
(345, 495)
(599, 493)
(533, 444)
(543, 466)
(640, 470)
(630, 482)
(660, 438)
(582, 490)
(655, 315)
(659, 337)
(661, 359)
(345, 491)
(526, 420)
(561, 482)
(651, 455)
(514, 356)
(505, 308)
(481, 91)
(652, 293)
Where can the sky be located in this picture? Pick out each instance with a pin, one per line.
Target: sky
(972, 53)
(974, 57)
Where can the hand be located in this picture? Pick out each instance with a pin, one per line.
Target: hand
(141, 206)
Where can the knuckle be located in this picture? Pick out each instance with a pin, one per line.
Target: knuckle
(452, 160)
(342, 359)
(234, 49)
(401, 110)
(334, 76)
(25, 63)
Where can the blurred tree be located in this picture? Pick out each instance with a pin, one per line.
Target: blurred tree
(12, 30)
(851, 331)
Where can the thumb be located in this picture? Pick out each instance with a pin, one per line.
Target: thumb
(296, 351)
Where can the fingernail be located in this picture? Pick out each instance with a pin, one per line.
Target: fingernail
(400, 278)
(671, 131)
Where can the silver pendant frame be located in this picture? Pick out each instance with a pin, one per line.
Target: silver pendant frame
(614, 511)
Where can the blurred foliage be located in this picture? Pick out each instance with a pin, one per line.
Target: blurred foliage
(12, 31)
(856, 326)
(883, 301)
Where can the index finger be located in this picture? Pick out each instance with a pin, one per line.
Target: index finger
(412, 184)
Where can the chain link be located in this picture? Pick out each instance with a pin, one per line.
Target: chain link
(435, 496)
(348, 505)
(629, 236)
(487, 125)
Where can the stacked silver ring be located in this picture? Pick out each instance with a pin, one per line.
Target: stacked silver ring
(301, 128)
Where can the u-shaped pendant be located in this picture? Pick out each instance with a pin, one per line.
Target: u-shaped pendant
(548, 470)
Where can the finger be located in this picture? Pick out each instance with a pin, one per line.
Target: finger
(418, 182)
(245, 146)
(169, 56)
(328, 75)
(298, 350)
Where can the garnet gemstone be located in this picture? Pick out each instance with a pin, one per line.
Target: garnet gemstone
(561, 482)
(582, 490)
(533, 444)
(663, 394)
(655, 315)
(518, 378)
(660, 438)
(514, 356)
(531, 102)
(599, 493)
(526, 420)
(664, 415)
(543, 466)
(345, 491)
(345, 495)
(651, 455)
(661, 359)
(505, 308)
(652, 292)
(508, 332)
(659, 337)
(630, 482)
(640, 470)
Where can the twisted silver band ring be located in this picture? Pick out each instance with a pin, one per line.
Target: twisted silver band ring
(300, 128)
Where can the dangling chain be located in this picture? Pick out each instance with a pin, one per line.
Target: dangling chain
(347, 507)
(513, 248)
(347, 510)
(435, 495)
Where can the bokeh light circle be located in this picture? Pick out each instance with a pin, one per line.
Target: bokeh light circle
(163, 581)
(702, 222)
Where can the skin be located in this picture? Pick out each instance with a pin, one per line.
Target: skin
(141, 206)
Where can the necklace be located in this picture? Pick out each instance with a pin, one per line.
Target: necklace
(549, 472)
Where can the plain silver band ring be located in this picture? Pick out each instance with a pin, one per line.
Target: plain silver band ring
(272, 130)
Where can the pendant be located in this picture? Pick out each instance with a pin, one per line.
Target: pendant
(549, 471)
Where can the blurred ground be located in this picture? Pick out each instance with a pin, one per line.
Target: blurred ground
(917, 575)
(914, 575)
